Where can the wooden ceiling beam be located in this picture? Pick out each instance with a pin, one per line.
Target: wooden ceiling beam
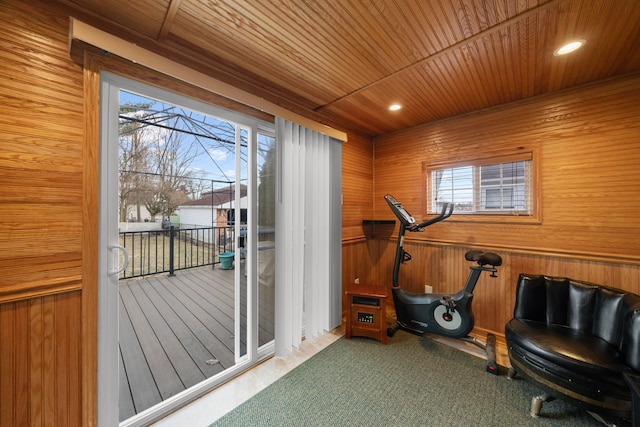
(172, 11)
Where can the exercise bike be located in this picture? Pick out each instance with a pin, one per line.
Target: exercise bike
(442, 314)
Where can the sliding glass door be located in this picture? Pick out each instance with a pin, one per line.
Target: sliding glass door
(187, 232)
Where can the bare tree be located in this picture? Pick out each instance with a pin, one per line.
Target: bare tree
(158, 147)
(267, 184)
(172, 156)
(133, 158)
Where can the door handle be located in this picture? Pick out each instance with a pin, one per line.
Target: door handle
(113, 249)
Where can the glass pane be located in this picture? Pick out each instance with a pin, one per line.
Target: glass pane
(266, 237)
(503, 186)
(492, 199)
(513, 172)
(178, 209)
(240, 208)
(454, 185)
(490, 174)
(507, 198)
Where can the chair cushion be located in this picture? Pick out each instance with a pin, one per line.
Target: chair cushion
(577, 357)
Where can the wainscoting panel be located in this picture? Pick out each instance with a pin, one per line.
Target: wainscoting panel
(40, 353)
(444, 268)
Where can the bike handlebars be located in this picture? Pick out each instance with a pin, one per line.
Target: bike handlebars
(409, 222)
(447, 210)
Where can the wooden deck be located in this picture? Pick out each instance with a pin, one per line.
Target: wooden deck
(177, 331)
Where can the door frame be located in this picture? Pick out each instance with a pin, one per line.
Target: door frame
(108, 295)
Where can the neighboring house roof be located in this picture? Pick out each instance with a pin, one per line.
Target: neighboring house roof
(217, 197)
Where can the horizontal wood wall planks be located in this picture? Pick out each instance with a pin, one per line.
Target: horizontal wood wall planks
(41, 161)
(357, 184)
(589, 181)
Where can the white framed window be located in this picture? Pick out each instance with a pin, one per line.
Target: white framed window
(499, 186)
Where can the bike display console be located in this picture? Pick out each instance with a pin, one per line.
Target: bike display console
(366, 312)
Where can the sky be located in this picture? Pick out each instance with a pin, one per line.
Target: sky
(216, 159)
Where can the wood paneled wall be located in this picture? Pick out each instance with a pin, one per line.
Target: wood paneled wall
(444, 268)
(357, 185)
(42, 203)
(589, 142)
(41, 157)
(359, 259)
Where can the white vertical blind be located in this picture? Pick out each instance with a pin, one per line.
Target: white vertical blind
(308, 243)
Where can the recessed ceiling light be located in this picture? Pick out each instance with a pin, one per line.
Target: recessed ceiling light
(395, 107)
(569, 47)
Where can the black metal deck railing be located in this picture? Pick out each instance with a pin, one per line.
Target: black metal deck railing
(166, 251)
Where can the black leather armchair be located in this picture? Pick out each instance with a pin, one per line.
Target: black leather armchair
(575, 340)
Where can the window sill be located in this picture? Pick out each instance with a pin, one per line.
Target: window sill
(495, 219)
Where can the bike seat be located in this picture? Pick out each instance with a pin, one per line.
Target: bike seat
(482, 257)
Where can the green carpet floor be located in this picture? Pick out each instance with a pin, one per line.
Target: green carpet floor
(412, 381)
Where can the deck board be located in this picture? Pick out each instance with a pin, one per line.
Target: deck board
(166, 378)
(195, 329)
(219, 322)
(181, 362)
(127, 409)
(176, 331)
(140, 381)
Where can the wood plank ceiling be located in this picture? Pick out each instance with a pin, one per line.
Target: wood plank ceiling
(344, 62)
